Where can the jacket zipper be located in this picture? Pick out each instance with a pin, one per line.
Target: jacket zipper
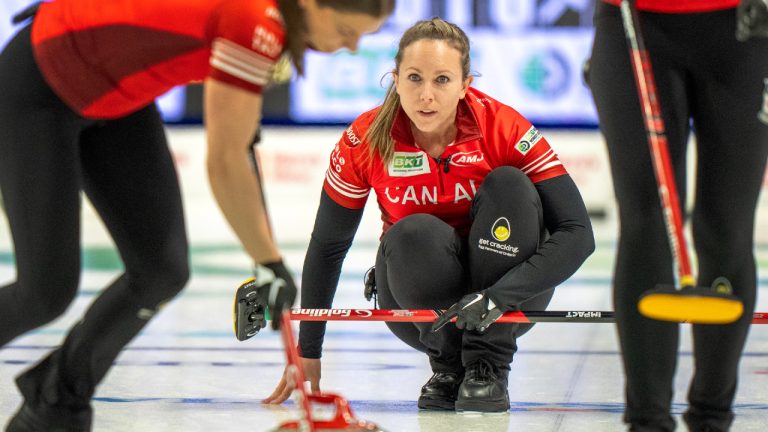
(445, 161)
(446, 166)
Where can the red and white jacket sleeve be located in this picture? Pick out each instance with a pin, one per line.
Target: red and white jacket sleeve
(524, 147)
(346, 180)
(246, 39)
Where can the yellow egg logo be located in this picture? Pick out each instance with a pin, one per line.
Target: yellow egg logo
(501, 233)
(501, 229)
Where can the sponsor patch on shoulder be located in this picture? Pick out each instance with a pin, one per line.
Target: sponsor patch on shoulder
(528, 140)
(266, 42)
(352, 138)
(274, 13)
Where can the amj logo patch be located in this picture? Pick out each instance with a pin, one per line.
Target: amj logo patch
(462, 159)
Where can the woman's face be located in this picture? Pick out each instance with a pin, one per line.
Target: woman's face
(330, 30)
(430, 84)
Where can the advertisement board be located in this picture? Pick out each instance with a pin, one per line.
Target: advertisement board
(526, 53)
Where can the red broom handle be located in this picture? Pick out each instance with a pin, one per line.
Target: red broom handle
(657, 140)
(428, 315)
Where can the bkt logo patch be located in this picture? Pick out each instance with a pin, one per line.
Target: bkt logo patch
(462, 159)
(406, 164)
(501, 229)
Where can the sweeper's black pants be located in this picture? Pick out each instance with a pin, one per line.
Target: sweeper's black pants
(48, 156)
(711, 84)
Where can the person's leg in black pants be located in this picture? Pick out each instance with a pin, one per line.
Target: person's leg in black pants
(420, 265)
(731, 159)
(506, 196)
(129, 176)
(644, 260)
(507, 228)
(48, 154)
(40, 177)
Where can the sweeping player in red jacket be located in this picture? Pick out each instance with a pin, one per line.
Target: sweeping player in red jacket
(78, 114)
(480, 217)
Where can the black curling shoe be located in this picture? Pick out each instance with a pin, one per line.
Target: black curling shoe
(439, 393)
(484, 389)
(49, 419)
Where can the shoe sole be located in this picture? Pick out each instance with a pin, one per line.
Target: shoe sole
(25, 420)
(436, 404)
(482, 407)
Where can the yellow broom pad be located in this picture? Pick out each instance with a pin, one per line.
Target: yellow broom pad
(695, 306)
